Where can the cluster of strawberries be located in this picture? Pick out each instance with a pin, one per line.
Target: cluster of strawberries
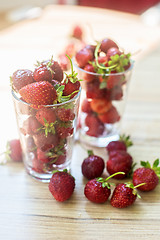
(118, 165)
(46, 127)
(103, 67)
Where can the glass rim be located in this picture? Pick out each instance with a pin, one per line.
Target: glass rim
(52, 105)
(106, 74)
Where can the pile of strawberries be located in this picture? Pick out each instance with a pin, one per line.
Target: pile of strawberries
(119, 166)
(104, 69)
(46, 128)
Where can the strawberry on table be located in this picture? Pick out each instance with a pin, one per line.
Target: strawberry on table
(98, 190)
(92, 166)
(124, 195)
(13, 150)
(122, 144)
(147, 174)
(77, 32)
(62, 185)
(119, 161)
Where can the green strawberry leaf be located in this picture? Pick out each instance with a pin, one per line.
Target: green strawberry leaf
(145, 164)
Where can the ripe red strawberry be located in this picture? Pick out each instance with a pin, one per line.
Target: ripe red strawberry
(64, 62)
(122, 144)
(64, 131)
(55, 69)
(83, 57)
(111, 116)
(70, 88)
(95, 192)
(148, 175)
(77, 32)
(42, 73)
(38, 166)
(100, 105)
(39, 93)
(86, 106)
(13, 150)
(45, 142)
(89, 77)
(114, 80)
(106, 44)
(124, 195)
(98, 190)
(113, 51)
(93, 90)
(46, 115)
(64, 114)
(21, 78)
(119, 161)
(95, 126)
(92, 166)
(30, 126)
(116, 93)
(42, 156)
(61, 185)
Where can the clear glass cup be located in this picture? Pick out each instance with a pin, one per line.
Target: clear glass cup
(46, 147)
(102, 105)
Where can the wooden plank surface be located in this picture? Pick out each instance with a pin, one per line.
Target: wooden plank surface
(27, 209)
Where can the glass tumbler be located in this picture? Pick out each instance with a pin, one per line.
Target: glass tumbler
(103, 100)
(47, 144)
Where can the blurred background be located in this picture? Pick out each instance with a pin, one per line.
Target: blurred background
(13, 11)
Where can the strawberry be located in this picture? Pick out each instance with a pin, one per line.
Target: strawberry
(71, 83)
(100, 105)
(116, 93)
(86, 106)
(98, 190)
(21, 78)
(119, 161)
(113, 51)
(13, 150)
(38, 166)
(55, 69)
(45, 142)
(95, 126)
(77, 32)
(93, 90)
(92, 166)
(46, 115)
(61, 185)
(111, 116)
(122, 144)
(106, 44)
(42, 156)
(64, 62)
(30, 126)
(39, 93)
(114, 80)
(64, 114)
(147, 174)
(64, 131)
(43, 73)
(89, 77)
(83, 57)
(95, 192)
(124, 195)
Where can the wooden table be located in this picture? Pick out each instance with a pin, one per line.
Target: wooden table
(27, 209)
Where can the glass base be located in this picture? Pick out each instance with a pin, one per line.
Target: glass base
(101, 141)
(45, 177)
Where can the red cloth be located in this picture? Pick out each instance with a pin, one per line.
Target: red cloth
(131, 6)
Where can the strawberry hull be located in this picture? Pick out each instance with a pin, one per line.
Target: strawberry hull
(46, 135)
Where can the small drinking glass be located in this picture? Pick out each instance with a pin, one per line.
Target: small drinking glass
(46, 147)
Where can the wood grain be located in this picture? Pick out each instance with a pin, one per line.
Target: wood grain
(27, 209)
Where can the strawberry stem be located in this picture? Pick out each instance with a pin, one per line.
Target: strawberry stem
(114, 175)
